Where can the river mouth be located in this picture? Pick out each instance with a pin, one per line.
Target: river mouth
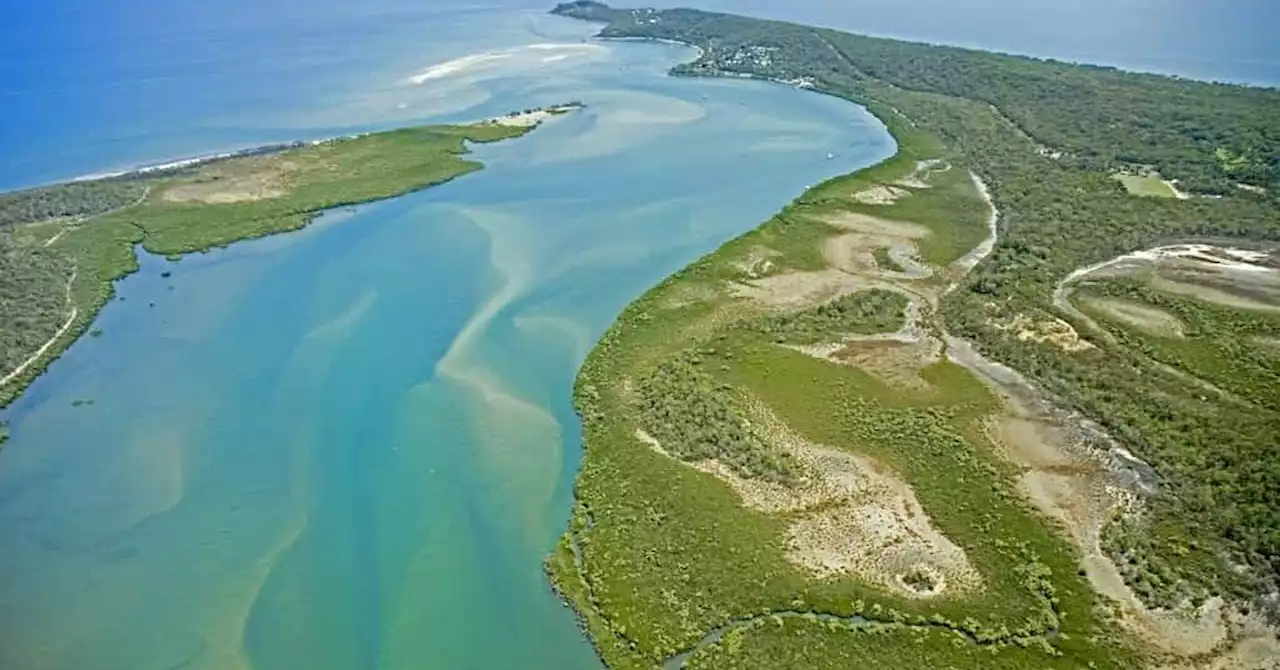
(353, 445)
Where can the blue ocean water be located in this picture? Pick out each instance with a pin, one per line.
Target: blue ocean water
(94, 85)
(351, 446)
(1201, 39)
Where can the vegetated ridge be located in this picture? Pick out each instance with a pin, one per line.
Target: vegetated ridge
(780, 472)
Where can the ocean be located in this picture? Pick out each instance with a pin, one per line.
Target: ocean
(351, 446)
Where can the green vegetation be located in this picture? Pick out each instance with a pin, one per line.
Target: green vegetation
(660, 554)
(33, 292)
(1224, 346)
(1150, 187)
(791, 642)
(76, 199)
(1205, 136)
(683, 408)
(667, 554)
(56, 273)
(864, 312)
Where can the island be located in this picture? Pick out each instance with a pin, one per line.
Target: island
(63, 246)
(1008, 399)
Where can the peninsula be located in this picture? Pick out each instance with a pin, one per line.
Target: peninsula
(1000, 401)
(63, 246)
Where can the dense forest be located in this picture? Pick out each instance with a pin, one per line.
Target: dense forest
(1047, 138)
(75, 199)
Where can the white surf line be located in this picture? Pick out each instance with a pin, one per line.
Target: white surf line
(45, 348)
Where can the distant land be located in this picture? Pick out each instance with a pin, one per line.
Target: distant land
(1008, 399)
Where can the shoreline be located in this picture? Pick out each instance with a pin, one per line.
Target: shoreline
(171, 243)
(150, 169)
(605, 489)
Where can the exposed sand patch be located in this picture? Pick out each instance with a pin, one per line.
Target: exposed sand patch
(881, 194)
(850, 257)
(757, 263)
(653, 443)
(688, 293)
(1145, 317)
(894, 361)
(1228, 276)
(1027, 440)
(1261, 652)
(241, 180)
(874, 225)
(1078, 486)
(1177, 192)
(919, 178)
(1202, 291)
(879, 531)
(850, 516)
(797, 290)
(855, 253)
(1053, 331)
(531, 117)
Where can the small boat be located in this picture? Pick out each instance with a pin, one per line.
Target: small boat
(830, 156)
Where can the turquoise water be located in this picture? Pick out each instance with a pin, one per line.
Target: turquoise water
(351, 447)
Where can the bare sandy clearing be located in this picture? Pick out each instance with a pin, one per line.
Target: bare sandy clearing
(1145, 317)
(1228, 276)
(855, 253)
(1027, 441)
(919, 178)
(1053, 331)
(242, 180)
(796, 290)
(1210, 293)
(687, 294)
(757, 263)
(852, 517)
(894, 358)
(879, 531)
(1079, 486)
(524, 119)
(880, 194)
(530, 118)
(874, 225)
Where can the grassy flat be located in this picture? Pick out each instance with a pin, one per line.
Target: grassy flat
(1147, 187)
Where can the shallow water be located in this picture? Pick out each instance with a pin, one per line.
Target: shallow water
(351, 447)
